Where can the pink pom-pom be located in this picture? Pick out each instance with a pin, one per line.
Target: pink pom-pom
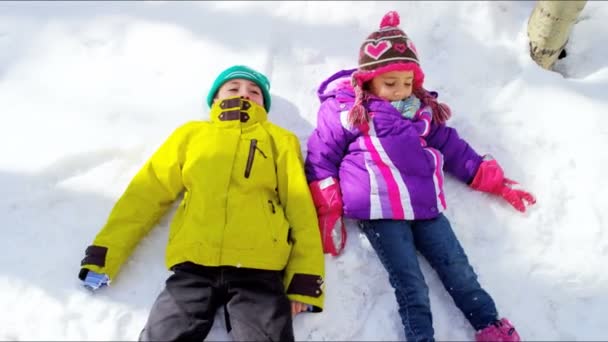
(390, 19)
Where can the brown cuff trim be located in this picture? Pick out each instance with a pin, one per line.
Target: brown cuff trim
(306, 285)
(95, 255)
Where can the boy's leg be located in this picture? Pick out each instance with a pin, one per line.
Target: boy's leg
(436, 240)
(394, 244)
(258, 308)
(185, 309)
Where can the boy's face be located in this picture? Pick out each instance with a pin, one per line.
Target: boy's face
(392, 85)
(243, 88)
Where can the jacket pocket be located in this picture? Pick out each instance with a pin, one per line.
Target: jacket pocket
(270, 208)
(414, 159)
(253, 148)
(279, 227)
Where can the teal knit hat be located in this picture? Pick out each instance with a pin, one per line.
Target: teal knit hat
(244, 72)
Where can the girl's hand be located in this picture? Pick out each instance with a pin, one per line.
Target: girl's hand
(490, 178)
(518, 198)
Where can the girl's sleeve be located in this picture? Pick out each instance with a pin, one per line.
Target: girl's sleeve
(460, 159)
(327, 143)
(147, 197)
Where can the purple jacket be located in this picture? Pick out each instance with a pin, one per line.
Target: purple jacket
(391, 168)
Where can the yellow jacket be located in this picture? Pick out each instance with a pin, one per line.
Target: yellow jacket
(246, 202)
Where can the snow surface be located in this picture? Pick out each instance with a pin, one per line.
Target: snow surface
(88, 90)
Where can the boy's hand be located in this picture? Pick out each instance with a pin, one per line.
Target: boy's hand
(297, 307)
(95, 281)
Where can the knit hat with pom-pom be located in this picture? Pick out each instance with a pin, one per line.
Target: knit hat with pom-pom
(388, 49)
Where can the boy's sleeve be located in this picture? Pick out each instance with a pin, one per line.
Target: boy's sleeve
(304, 273)
(328, 142)
(460, 159)
(147, 197)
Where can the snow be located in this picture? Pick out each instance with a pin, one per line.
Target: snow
(88, 90)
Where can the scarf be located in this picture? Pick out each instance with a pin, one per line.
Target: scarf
(407, 107)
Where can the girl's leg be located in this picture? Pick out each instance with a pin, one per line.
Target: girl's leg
(436, 240)
(394, 244)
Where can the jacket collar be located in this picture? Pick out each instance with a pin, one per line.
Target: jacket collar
(334, 84)
(236, 111)
(339, 86)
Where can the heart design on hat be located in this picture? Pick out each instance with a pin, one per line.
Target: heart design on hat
(400, 47)
(377, 50)
(411, 45)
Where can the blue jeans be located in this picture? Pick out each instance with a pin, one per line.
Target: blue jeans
(396, 242)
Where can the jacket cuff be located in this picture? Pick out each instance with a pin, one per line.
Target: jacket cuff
(306, 285)
(95, 255)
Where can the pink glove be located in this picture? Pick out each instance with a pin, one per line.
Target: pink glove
(328, 201)
(490, 178)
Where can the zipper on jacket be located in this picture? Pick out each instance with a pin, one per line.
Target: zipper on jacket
(261, 152)
(271, 206)
(253, 146)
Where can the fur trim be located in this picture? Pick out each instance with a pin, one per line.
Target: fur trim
(364, 76)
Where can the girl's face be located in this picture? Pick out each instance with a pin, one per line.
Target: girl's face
(392, 85)
(241, 87)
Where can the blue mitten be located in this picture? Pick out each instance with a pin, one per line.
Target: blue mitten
(94, 281)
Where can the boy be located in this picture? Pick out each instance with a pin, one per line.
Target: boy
(245, 235)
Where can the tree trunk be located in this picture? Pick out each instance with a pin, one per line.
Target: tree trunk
(549, 27)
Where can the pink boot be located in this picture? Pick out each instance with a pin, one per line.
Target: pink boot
(499, 331)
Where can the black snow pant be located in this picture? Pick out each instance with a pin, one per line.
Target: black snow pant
(255, 305)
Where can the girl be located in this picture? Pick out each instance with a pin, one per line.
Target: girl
(245, 236)
(377, 155)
